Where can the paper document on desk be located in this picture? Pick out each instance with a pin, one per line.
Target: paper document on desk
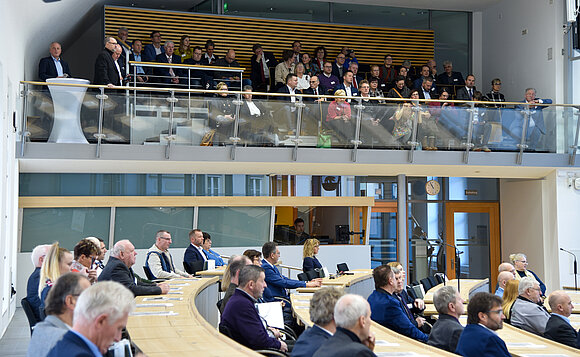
(398, 354)
(386, 343)
(154, 305)
(524, 345)
(272, 313)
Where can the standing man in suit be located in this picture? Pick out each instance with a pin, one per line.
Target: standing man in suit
(168, 75)
(466, 93)
(53, 66)
(101, 313)
(261, 61)
(447, 330)
(119, 269)
(107, 70)
(160, 261)
(154, 48)
(558, 327)
(322, 315)
(194, 252)
(353, 336)
(484, 317)
(387, 309)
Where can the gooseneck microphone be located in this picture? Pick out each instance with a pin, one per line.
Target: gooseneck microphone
(575, 268)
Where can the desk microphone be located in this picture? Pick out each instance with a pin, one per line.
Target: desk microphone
(575, 267)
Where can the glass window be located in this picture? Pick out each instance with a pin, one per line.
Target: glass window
(381, 188)
(473, 189)
(384, 16)
(426, 229)
(65, 225)
(139, 225)
(451, 44)
(303, 10)
(236, 226)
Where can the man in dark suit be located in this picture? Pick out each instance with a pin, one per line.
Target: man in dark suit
(107, 70)
(484, 316)
(447, 330)
(53, 66)
(168, 75)
(315, 89)
(466, 93)
(90, 335)
(136, 55)
(154, 48)
(448, 77)
(353, 337)
(426, 90)
(425, 73)
(387, 309)
(261, 62)
(347, 86)
(194, 252)
(119, 269)
(38, 254)
(558, 327)
(355, 77)
(536, 126)
(322, 315)
(338, 67)
(240, 318)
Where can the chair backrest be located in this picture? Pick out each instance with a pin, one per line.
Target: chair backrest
(419, 291)
(303, 277)
(219, 304)
(342, 267)
(426, 284)
(194, 267)
(433, 281)
(32, 320)
(148, 273)
(440, 277)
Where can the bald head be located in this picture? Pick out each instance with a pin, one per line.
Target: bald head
(504, 277)
(560, 303)
(507, 267)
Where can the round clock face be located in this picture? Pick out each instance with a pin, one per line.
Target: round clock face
(432, 187)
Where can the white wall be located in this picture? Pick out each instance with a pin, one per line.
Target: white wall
(568, 225)
(521, 61)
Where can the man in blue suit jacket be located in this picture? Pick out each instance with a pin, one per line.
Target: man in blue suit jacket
(38, 254)
(387, 309)
(91, 336)
(347, 86)
(194, 252)
(484, 317)
(154, 48)
(536, 126)
(53, 66)
(322, 315)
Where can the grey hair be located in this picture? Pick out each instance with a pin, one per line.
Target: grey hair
(395, 270)
(322, 305)
(123, 28)
(442, 297)
(119, 248)
(107, 297)
(349, 309)
(38, 252)
(107, 39)
(447, 63)
(167, 43)
(249, 273)
(525, 284)
(247, 87)
(531, 88)
(517, 256)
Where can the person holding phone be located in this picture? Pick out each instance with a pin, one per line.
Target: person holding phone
(85, 253)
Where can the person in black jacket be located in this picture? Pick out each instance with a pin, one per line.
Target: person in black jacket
(119, 269)
(261, 61)
(106, 71)
(53, 66)
(447, 330)
(558, 327)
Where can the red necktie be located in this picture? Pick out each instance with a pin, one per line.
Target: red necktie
(354, 83)
(262, 71)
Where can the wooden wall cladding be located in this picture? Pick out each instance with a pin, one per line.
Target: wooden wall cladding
(240, 33)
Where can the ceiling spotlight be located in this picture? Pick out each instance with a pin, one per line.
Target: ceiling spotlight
(403, 13)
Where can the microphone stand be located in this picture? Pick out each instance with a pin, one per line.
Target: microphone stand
(444, 245)
(575, 268)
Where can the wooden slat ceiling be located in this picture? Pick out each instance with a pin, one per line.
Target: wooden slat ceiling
(240, 33)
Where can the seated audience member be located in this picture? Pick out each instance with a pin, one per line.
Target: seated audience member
(85, 253)
(53, 66)
(283, 69)
(356, 79)
(222, 113)
(168, 75)
(315, 89)
(199, 77)
(374, 74)
(507, 267)
(119, 269)
(347, 85)
(426, 88)
(194, 252)
(310, 68)
(520, 262)
(122, 39)
(510, 294)
(432, 64)
(338, 67)
(107, 69)
(60, 305)
(159, 259)
(399, 90)
(494, 94)
(404, 72)
(254, 256)
(448, 77)
(231, 276)
(310, 262)
(261, 62)
(387, 309)
(319, 57)
(101, 313)
(353, 336)
(388, 73)
(99, 262)
(375, 91)
(416, 320)
(339, 117)
(57, 262)
(322, 316)
(296, 52)
(153, 49)
(447, 329)
(298, 234)
(526, 313)
(303, 78)
(209, 57)
(484, 317)
(350, 56)
(278, 283)
(32, 296)
(558, 327)
(136, 55)
(467, 92)
(240, 317)
(425, 73)
(184, 50)
(231, 78)
(210, 254)
(327, 79)
(536, 127)
(416, 306)
(502, 280)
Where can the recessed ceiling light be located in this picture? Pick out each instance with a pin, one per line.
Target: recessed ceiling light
(403, 13)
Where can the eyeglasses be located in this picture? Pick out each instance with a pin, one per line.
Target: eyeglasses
(537, 289)
(497, 84)
(313, 81)
(498, 311)
(165, 238)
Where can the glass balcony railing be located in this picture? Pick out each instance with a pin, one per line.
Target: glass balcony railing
(161, 116)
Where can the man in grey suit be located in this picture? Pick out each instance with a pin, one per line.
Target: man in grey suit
(60, 304)
(447, 330)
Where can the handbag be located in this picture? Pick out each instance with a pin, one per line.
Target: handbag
(207, 139)
(324, 140)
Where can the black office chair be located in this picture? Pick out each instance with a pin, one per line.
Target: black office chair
(440, 277)
(426, 284)
(433, 281)
(303, 277)
(193, 268)
(32, 320)
(342, 267)
(219, 304)
(148, 273)
(265, 352)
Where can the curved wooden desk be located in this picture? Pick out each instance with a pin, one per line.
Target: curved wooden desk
(218, 271)
(187, 331)
(468, 288)
(398, 343)
(360, 282)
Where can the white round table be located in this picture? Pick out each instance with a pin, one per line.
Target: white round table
(67, 102)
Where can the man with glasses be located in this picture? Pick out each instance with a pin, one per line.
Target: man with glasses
(315, 89)
(153, 49)
(484, 317)
(527, 311)
(494, 94)
(327, 78)
(160, 261)
(338, 68)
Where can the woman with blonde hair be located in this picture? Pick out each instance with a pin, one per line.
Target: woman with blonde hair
(57, 262)
(520, 262)
(310, 262)
(510, 294)
(303, 77)
(184, 50)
